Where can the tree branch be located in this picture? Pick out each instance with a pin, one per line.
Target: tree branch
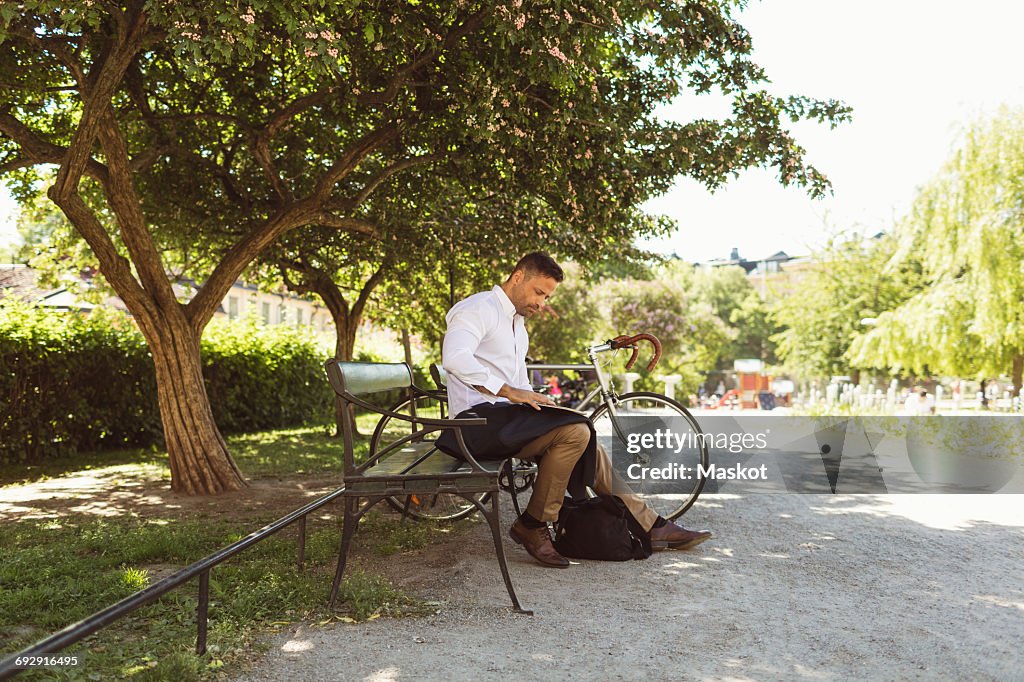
(368, 287)
(328, 219)
(126, 204)
(261, 150)
(56, 46)
(348, 162)
(391, 170)
(37, 150)
(261, 145)
(307, 211)
(301, 104)
(103, 82)
(284, 266)
(202, 307)
(113, 265)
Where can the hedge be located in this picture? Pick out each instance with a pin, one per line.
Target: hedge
(72, 382)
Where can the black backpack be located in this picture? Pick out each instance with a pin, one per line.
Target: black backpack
(600, 528)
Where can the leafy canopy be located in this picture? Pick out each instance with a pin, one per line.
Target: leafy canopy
(965, 232)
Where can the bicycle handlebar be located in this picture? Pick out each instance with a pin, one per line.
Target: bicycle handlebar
(624, 341)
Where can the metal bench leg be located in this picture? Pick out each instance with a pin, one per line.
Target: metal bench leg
(350, 525)
(494, 520)
(509, 474)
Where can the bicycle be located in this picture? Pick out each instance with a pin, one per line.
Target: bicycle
(642, 409)
(613, 416)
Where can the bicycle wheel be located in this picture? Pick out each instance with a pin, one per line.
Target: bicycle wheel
(440, 507)
(664, 471)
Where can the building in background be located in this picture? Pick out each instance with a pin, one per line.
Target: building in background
(774, 276)
(242, 300)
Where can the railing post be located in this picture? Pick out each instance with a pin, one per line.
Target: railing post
(201, 612)
(302, 541)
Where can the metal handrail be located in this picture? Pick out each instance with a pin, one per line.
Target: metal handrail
(85, 627)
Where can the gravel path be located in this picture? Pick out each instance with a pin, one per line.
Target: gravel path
(823, 587)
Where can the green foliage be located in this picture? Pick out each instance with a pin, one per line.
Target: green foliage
(263, 377)
(824, 314)
(692, 336)
(735, 301)
(965, 235)
(76, 383)
(579, 323)
(72, 383)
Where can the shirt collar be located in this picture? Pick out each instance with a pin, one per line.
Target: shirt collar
(503, 299)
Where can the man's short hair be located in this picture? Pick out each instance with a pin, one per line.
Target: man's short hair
(538, 263)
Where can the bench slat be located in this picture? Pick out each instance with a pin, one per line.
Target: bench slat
(436, 463)
(400, 462)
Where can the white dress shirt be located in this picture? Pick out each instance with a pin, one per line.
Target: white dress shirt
(485, 345)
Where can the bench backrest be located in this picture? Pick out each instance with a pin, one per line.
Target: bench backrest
(439, 376)
(360, 378)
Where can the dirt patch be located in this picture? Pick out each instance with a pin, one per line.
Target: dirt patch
(143, 491)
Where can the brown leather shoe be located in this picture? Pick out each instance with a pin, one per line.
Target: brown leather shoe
(672, 536)
(537, 542)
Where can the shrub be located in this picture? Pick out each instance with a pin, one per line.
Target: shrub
(264, 377)
(71, 382)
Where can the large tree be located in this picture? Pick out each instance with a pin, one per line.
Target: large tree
(965, 233)
(211, 129)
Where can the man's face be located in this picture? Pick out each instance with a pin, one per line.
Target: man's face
(529, 293)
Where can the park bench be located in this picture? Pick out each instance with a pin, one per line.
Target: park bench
(410, 465)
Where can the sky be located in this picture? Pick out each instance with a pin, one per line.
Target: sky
(914, 71)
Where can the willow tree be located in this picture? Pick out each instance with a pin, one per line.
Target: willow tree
(212, 129)
(965, 232)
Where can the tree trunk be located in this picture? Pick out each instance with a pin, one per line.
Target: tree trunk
(1016, 372)
(346, 323)
(199, 458)
(344, 349)
(407, 347)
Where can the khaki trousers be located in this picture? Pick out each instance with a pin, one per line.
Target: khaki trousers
(557, 452)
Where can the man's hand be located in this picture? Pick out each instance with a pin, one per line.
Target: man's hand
(518, 395)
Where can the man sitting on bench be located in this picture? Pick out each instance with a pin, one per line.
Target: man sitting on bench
(484, 354)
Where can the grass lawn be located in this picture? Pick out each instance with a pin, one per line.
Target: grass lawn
(286, 452)
(64, 566)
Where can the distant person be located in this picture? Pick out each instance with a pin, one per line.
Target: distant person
(554, 390)
(920, 403)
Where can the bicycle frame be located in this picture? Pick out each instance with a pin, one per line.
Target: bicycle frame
(605, 387)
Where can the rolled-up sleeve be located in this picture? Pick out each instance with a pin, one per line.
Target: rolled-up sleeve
(466, 329)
